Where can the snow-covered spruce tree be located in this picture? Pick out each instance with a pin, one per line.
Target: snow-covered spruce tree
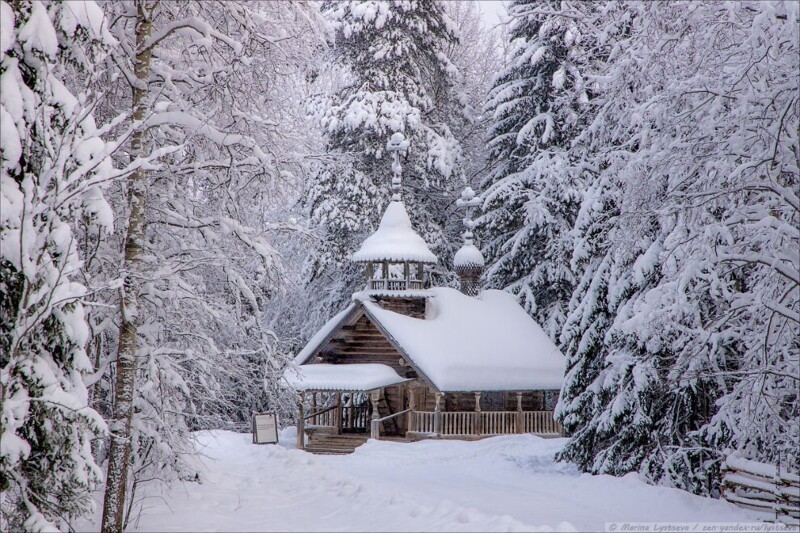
(52, 173)
(699, 285)
(583, 333)
(199, 268)
(533, 189)
(476, 58)
(393, 75)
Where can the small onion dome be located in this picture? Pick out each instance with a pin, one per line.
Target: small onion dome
(394, 240)
(468, 264)
(468, 256)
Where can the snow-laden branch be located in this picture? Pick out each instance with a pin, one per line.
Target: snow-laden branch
(194, 24)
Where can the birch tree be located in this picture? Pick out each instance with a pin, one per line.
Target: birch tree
(199, 267)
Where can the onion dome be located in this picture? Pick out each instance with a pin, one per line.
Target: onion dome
(395, 240)
(395, 254)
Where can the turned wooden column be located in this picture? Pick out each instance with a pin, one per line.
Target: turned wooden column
(339, 413)
(374, 427)
(520, 416)
(437, 414)
(412, 404)
(301, 430)
(477, 418)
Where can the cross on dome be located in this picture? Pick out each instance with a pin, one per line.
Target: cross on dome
(395, 145)
(395, 254)
(468, 261)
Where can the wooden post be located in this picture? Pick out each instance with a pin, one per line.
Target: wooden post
(338, 413)
(301, 430)
(315, 418)
(437, 415)
(477, 422)
(520, 422)
(412, 404)
(375, 430)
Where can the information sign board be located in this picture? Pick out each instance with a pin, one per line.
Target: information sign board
(265, 428)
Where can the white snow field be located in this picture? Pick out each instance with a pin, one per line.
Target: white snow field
(498, 484)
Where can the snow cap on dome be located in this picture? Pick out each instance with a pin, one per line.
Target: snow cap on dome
(468, 256)
(395, 240)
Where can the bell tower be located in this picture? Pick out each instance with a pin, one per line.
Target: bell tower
(395, 255)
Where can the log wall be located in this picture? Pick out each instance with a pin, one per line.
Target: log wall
(362, 342)
(413, 307)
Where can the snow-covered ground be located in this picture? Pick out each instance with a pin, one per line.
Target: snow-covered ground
(498, 484)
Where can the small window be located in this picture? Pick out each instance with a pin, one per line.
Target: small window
(493, 401)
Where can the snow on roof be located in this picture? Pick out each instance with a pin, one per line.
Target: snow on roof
(355, 377)
(395, 240)
(467, 256)
(319, 337)
(475, 344)
(406, 293)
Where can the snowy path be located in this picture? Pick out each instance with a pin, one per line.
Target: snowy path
(499, 484)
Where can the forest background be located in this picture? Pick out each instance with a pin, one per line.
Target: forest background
(183, 183)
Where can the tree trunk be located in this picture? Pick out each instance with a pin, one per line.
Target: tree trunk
(120, 449)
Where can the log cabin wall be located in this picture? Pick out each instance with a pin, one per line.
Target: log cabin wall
(362, 342)
(492, 401)
(413, 307)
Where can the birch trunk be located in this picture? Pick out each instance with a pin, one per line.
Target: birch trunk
(120, 449)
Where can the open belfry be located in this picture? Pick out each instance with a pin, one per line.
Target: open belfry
(407, 361)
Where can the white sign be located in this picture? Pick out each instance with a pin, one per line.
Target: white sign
(265, 428)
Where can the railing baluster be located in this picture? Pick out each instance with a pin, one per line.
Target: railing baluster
(470, 422)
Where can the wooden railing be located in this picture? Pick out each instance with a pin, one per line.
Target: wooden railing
(396, 284)
(465, 423)
(352, 417)
(541, 422)
(458, 423)
(762, 487)
(499, 422)
(423, 422)
(455, 423)
(324, 417)
(375, 427)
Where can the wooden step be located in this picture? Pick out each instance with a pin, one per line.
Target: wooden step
(368, 351)
(335, 444)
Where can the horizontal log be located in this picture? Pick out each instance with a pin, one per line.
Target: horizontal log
(757, 469)
(754, 504)
(735, 478)
(751, 494)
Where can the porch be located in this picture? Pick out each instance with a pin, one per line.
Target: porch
(348, 423)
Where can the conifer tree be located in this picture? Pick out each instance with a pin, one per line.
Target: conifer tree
(53, 170)
(531, 195)
(678, 338)
(397, 78)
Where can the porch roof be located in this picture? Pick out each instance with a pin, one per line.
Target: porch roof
(345, 377)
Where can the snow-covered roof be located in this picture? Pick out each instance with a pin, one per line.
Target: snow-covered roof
(355, 377)
(474, 344)
(468, 256)
(395, 240)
